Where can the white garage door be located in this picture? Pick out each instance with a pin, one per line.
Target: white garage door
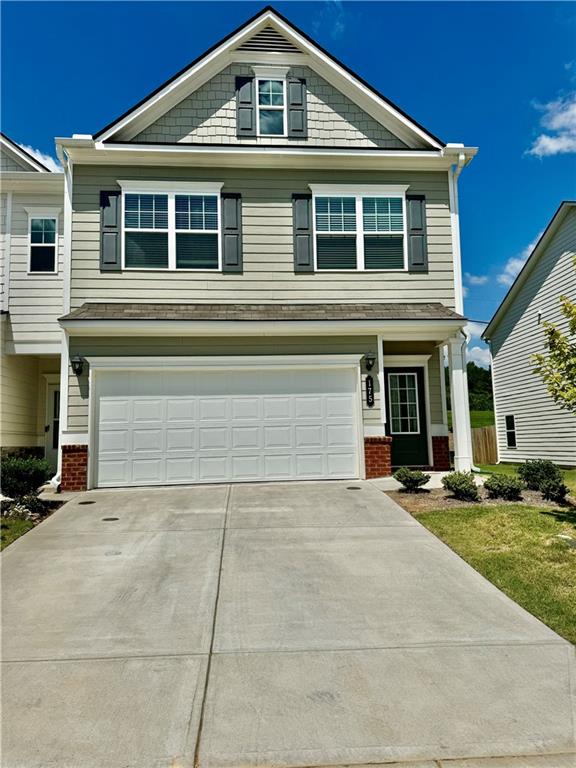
(182, 426)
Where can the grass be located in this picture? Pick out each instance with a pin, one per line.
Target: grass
(477, 419)
(510, 469)
(12, 529)
(514, 547)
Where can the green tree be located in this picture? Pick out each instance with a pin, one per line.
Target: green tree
(557, 366)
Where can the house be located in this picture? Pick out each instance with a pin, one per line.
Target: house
(262, 275)
(529, 424)
(31, 288)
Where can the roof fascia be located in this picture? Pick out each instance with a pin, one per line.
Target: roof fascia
(545, 238)
(25, 157)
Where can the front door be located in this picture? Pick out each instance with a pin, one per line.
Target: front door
(52, 427)
(406, 416)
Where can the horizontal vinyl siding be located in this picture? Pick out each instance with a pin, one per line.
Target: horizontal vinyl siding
(267, 244)
(543, 430)
(19, 398)
(35, 300)
(78, 392)
(3, 246)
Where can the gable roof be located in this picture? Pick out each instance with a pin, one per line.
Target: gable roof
(22, 157)
(266, 26)
(553, 227)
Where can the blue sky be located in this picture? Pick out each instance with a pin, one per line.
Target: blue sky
(501, 76)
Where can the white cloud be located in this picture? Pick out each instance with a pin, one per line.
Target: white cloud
(515, 263)
(46, 160)
(332, 18)
(475, 330)
(464, 291)
(476, 279)
(559, 122)
(480, 356)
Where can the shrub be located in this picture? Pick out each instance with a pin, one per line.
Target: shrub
(28, 507)
(461, 485)
(20, 475)
(411, 479)
(554, 489)
(503, 487)
(538, 471)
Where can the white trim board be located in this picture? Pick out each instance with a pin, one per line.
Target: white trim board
(223, 362)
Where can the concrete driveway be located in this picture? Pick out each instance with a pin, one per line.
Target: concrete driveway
(306, 624)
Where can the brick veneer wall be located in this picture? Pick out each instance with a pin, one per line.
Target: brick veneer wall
(440, 453)
(378, 456)
(74, 467)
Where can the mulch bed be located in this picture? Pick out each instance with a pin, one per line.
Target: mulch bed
(437, 498)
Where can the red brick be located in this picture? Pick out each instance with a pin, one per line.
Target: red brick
(377, 456)
(74, 467)
(441, 453)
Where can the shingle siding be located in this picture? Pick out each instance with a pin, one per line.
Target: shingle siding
(8, 163)
(543, 429)
(209, 116)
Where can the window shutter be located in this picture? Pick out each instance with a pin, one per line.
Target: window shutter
(297, 118)
(110, 260)
(416, 228)
(302, 222)
(245, 107)
(231, 232)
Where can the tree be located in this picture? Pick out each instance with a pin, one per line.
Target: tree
(557, 367)
(479, 387)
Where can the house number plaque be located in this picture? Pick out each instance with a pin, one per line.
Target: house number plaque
(369, 391)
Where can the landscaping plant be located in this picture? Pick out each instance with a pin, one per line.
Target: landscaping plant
(537, 471)
(503, 487)
(554, 489)
(411, 479)
(22, 475)
(461, 485)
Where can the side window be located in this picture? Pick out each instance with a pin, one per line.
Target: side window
(510, 432)
(43, 245)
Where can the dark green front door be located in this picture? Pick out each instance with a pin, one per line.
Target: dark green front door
(406, 416)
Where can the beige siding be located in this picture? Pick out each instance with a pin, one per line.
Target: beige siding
(35, 300)
(78, 392)
(19, 397)
(209, 116)
(9, 163)
(268, 247)
(3, 249)
(543, 430)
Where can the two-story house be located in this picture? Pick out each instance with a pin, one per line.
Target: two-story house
(31, 289)
(262, 275)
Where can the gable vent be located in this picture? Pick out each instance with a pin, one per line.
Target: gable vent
(268, 39)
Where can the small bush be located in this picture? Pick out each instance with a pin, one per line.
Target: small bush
(21, 476)
(26, 508)
(504, 487)
(461, 485)
(411, 479)
(538, 471)
(554, 489)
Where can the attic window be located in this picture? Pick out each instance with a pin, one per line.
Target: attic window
(271, 107)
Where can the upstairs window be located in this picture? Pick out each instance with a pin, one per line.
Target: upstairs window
(271, 107)
(362, 231)
(43, 242)
(172, 229)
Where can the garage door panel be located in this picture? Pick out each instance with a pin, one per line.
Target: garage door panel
(188, 427)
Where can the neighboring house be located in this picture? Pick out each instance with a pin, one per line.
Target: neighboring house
(262, 261)
(31, 283)
(529, 424)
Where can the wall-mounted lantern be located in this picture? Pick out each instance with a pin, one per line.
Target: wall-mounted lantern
(369, 360)
(77, 364)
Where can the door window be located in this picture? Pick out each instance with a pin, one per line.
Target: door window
(403, 394)
(56, 420)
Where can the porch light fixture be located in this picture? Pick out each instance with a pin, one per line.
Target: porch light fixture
(369, 360)
(77, 364)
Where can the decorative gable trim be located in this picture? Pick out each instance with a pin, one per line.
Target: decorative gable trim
(219, 56)
(268, 40)
(21, 156)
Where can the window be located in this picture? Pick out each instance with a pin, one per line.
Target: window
(365, 230)
(271, 107)
(403, 393)
(510, 432)
(172, 226)
(43, 244)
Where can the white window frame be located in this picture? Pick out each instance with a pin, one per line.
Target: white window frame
(359, 192)
(43, 213)
(171, 189)
(415, 377)
(509, 431)
(284, 108)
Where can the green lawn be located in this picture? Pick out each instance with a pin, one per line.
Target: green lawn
(12, 529)
(515, 548)
(477, 418)
(510, 469)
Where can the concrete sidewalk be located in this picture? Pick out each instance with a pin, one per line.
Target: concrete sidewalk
(309, 624)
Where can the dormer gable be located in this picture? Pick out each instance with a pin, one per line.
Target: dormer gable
(15, 159)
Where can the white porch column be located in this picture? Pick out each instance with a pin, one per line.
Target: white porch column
(460, 412)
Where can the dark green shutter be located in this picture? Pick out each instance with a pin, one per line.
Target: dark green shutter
(245, 107)
(231, 232)
(297, 117)
(110, 227)
(302, 224)
(416, 228)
